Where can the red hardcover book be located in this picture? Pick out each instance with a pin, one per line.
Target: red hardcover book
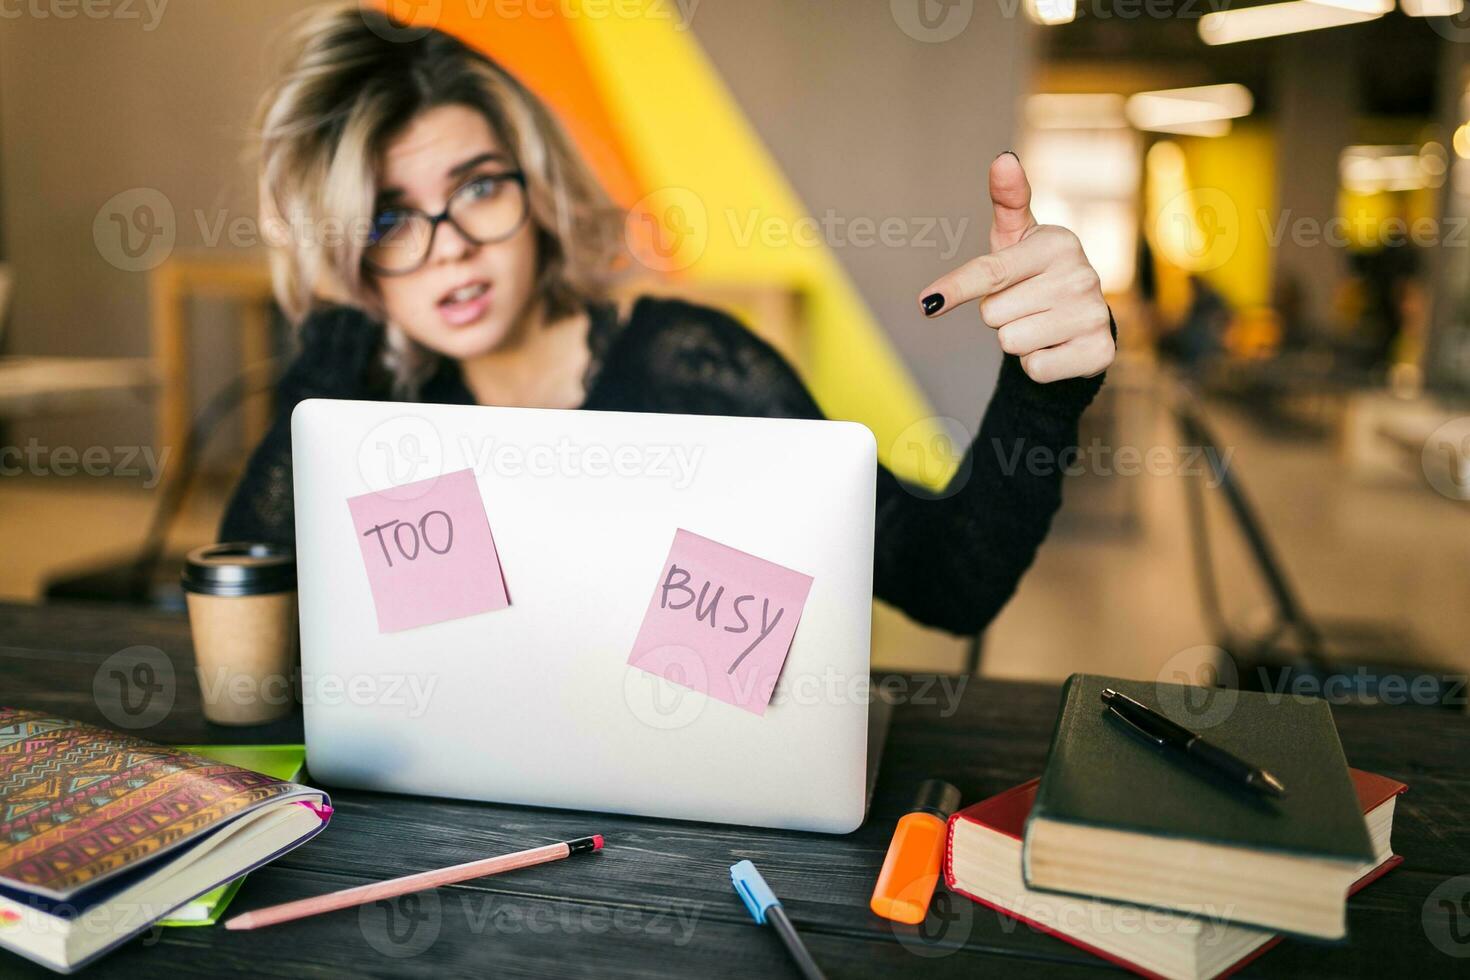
(982, 861)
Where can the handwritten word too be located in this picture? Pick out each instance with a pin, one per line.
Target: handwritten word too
(416, 536)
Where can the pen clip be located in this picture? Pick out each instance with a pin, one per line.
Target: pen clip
(753, 890)
(1138, 729)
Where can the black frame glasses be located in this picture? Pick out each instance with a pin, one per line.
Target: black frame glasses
(517, 177)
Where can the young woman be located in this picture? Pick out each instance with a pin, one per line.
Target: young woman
(483, 280)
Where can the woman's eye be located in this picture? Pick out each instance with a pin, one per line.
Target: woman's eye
(482, 187)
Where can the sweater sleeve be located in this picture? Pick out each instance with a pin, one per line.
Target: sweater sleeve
(949, 560)
(337, 351)
(953, 562)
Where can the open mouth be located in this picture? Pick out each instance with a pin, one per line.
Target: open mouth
(465, 304)
(465, 294)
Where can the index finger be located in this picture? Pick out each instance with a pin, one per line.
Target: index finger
(987, 274)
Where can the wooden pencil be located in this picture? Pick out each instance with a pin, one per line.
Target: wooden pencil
(393, 887)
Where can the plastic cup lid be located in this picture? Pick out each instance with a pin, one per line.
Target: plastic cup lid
(240, 568)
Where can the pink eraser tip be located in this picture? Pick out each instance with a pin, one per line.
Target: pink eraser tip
(597, 842)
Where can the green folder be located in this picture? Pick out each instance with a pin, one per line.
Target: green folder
(280, 761)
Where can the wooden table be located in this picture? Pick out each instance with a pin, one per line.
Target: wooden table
(658, 901)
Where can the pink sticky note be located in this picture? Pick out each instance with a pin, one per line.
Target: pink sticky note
(429, 553)
(721, 621)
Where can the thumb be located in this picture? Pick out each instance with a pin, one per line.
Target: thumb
(1010, 193)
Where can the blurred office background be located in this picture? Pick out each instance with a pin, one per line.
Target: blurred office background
(1277, 197)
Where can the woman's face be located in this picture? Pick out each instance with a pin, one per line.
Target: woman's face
(466, 299)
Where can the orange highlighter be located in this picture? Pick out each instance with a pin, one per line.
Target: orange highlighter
(911, 869)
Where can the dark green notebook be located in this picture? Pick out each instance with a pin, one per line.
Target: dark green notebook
(1100, 777)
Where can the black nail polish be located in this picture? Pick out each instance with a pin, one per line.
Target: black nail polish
(932, 304)
(1012, 153)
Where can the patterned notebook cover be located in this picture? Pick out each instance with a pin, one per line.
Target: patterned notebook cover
(80, 804)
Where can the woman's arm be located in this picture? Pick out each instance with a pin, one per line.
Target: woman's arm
(954, 562)
(337, 347)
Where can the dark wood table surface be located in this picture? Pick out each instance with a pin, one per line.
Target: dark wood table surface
(658, 901)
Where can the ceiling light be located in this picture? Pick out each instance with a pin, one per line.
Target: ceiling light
(1205, 110)
(1273, 20)
(1374, 169)
(1051, 12)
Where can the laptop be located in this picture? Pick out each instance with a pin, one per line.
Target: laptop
(536, 703)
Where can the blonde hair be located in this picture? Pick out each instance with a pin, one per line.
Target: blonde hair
(354, 79)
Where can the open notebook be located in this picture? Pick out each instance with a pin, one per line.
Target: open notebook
(102, 834)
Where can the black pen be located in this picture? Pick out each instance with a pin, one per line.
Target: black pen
(1160, 731)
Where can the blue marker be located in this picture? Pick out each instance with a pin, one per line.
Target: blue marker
(765, 907)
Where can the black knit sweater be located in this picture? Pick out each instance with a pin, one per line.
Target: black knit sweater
(949, 560)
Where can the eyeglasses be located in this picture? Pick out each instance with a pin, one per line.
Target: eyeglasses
(486, 210)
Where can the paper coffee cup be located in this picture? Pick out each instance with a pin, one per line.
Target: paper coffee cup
(242, 612)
